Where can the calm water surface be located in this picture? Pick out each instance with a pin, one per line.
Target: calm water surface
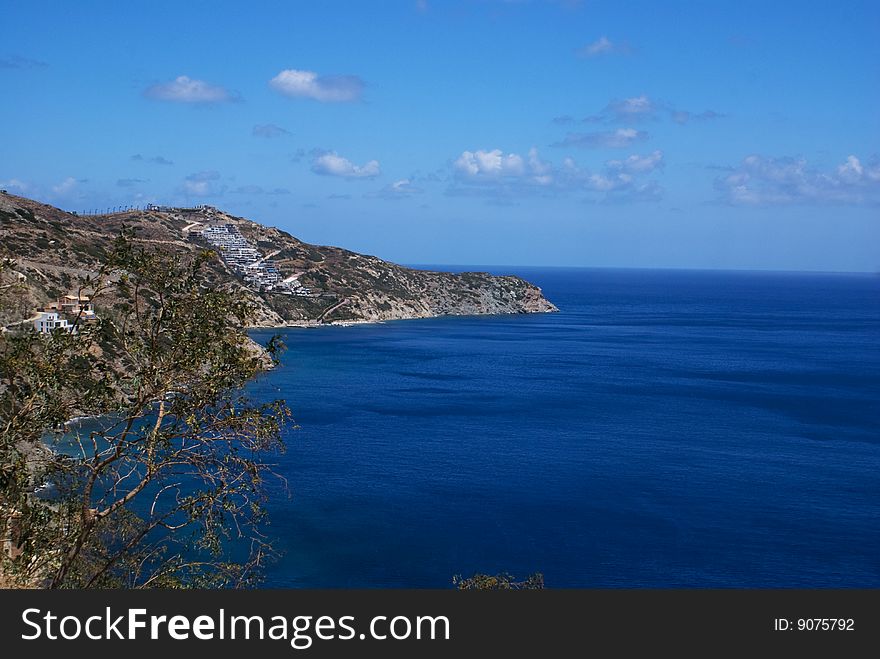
(665, 429)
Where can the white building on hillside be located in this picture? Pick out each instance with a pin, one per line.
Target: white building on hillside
(77, 305)
(49, 321)
(245, 259)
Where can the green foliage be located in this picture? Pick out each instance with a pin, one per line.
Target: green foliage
(174, 478)
(501, 581)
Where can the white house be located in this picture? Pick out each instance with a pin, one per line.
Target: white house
(49, 321)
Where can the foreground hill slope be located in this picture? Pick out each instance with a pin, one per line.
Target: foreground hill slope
(53, 248)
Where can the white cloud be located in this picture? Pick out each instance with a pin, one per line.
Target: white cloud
(643, 108)
(763, 181)
(605, 139)
(14, 184)
(684, 117)
(619, 181)
(604, 46)
(627, 110)
(636, 164)
(851, 170)
(332, 164)
(403, 186)
(601, 45)
(19, 62)
(156, 160)
(494, 166)
(65, 187)
(496, 175)
(197, 188)
(184, 89)
(308, 84)
(202, 184)
(400, 189)
(632, 109)
(269, 131)
(537, 165)
(480, 165)
(854, 173)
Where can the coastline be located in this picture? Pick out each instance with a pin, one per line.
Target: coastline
(313, 324)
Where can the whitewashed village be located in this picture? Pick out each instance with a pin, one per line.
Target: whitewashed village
(239, 254)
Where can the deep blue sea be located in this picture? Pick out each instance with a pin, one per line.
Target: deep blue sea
(665, 429)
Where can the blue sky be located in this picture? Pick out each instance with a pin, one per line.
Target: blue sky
(533, 132)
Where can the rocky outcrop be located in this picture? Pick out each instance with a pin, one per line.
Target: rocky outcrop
(51, 248)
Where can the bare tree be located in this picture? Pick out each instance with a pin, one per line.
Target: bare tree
(166, 487)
